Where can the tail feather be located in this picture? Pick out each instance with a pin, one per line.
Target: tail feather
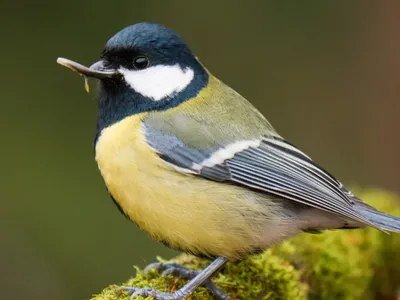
(383, 221)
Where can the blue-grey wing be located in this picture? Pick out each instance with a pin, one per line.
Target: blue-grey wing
(268, 164)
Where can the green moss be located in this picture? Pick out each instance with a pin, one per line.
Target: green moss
(341, 264)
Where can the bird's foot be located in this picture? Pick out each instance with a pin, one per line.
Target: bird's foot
(172, 269)
(176, 270)
(150, 292)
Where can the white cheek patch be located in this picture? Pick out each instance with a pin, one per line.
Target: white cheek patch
(158, 82)
(219, 156)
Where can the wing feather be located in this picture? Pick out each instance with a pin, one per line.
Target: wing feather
(271, 165)
(286, 181)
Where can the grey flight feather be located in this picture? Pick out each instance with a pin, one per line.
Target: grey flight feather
(275, 167)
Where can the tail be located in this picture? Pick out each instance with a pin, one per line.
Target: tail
(383, 221)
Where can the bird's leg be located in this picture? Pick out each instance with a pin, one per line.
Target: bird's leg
(197, 279)
(178, 270)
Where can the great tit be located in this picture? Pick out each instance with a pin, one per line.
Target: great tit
(197, 167)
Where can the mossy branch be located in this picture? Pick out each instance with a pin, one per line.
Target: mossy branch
(341, 264)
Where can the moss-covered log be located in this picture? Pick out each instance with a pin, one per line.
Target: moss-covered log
(341, 264)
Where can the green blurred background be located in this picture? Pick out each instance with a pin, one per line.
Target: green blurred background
(326, 73)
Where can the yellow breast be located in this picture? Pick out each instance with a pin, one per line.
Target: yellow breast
(187, 212)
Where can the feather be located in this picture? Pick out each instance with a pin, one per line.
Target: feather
(271, 165)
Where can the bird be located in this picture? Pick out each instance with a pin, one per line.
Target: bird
(197, 167)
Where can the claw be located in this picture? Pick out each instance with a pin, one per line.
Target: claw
(173, 269)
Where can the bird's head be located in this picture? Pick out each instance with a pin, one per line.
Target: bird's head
(143, 67)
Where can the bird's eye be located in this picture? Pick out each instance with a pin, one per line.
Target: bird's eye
(141, 62)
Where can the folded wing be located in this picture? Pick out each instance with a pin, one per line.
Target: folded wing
(268, 164)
